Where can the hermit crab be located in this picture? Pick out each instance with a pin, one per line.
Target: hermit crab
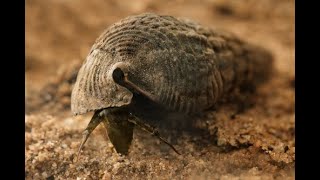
(151, 62)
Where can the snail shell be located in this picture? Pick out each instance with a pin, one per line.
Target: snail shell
(174, 62)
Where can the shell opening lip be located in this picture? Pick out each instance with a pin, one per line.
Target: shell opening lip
(94, 110)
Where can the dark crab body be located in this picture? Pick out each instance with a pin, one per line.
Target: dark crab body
(173, 63)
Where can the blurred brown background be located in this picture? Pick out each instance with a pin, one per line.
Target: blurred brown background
(60, 33)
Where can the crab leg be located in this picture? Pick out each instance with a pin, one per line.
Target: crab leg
(153, 131)
(119, 129)
(94, 122)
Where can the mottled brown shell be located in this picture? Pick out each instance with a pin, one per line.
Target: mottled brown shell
(176, 63)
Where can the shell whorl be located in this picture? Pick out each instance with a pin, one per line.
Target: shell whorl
(95, 88)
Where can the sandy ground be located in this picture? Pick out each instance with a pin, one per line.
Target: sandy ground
(258, 143)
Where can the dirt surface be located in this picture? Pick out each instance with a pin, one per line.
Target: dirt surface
(258, 143)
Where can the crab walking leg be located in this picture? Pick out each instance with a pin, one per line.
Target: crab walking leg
(153, 131)
(119, 130)
(94, 122)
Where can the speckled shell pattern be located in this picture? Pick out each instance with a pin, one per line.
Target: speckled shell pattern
(180, 64)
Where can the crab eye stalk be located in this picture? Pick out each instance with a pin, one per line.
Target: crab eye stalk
(120, 78)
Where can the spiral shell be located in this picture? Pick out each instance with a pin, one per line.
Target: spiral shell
(174, 62)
